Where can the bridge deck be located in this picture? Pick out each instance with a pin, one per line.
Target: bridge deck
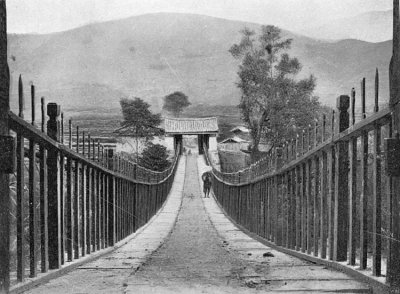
(204, 252)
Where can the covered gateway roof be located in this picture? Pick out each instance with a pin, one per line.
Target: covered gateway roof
(205, 125)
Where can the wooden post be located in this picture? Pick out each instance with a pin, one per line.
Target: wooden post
(364, 188)
(43, 199)
(4, 175)
(111, 200)
(341, 213)
(20, 190)
(393, 269)
(53, 188)
(33, 199)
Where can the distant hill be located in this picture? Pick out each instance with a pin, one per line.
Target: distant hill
(374, 26)
(152, 55)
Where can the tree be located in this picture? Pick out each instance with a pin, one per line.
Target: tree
(175, 103)
(139, 121)
(154, 157)
(273, 104)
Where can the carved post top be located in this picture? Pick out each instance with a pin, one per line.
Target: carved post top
(53, 129)
(343, 103)
(53, 110)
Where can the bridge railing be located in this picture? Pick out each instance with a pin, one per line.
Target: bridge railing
(325, 195)
(67, 203)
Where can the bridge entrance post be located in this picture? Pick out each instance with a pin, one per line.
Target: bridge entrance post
(341, 208)
(178, 142)
(200, 142)
(53, 188)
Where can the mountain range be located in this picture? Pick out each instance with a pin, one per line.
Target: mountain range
(373, 26)
(150, 56)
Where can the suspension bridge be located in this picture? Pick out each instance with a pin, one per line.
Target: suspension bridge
(319, 214)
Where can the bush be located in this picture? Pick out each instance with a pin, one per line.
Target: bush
(154, 157)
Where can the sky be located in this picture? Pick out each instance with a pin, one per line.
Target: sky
(46, 16)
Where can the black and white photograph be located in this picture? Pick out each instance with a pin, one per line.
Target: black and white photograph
(199, 146)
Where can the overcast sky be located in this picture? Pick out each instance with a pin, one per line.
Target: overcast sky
(44, 16)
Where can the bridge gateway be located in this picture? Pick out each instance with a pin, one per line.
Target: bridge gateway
(205, 128)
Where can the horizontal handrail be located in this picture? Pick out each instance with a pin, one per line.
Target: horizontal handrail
(30, 132)
(377, 119)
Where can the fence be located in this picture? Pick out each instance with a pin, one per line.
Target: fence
(67, 203)
(325, 196)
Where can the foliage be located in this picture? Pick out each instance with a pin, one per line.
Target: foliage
(274, 104)
(175, 103)
(138, 121)
(154, 157)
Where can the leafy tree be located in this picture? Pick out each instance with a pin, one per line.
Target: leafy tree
(154, 157)
(274, 104)
(139, 121)
(175, 103)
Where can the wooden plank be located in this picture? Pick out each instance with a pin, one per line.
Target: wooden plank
(44, 237)
(309, 206)
(62, 209)
(105, 210)
(98, 210)
(303, 209)
(377, 206)
(331, 193)
(364, 202)
(33, 201)
(323, 203)
(33, 217)
(44, 247)
(316, 206)
(352, 201)
(83, 208)
(70, 234)
(94, 209)
(20, 191)
(20, 209)
(76, 202)
(298, 207)
(89, 211)
(293, 227)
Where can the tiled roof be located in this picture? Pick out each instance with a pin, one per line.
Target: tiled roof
(233, 140)
(239, 129)
(191, 125)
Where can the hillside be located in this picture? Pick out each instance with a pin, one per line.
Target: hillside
(152, 55)
(374, 26)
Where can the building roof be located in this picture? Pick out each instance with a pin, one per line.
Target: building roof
(204, 125)
(233, 140)
(240, 129)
